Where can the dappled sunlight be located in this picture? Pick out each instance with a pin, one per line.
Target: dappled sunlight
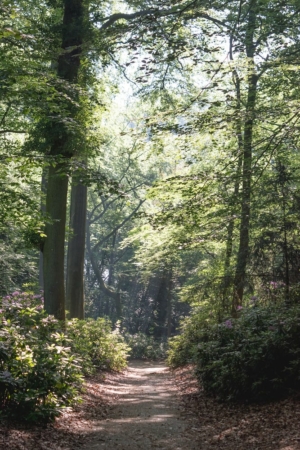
(145, 414)
(140, 419)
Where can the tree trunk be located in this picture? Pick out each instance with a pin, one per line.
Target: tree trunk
(112, 260)
(55, 243)
(169, 321)
(243, 251)
(43, 211)
(162, 304)
(227, 281)
(61, 147)
(76, 247)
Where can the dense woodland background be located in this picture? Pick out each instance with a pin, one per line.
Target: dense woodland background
(149, 172)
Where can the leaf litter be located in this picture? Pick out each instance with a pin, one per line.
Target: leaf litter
(271, 426)
(157, 409)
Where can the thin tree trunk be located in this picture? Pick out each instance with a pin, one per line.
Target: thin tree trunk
(229, 243)
(61, 137)
(169, 314)
(112, 261)
(243, 251)
(161, 304)
(43, 211)
(285, 247)
(76, 247)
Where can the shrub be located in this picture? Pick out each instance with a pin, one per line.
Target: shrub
(252, 358)
(98, 346)
(38, 372)
(145, 347)
(183, 348)
(42, 362)
(255, 357)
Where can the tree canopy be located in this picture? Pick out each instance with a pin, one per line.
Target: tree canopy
(149, 164)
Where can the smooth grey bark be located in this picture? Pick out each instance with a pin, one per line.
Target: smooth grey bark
(62, 149)
(110, 273)
(76, 249)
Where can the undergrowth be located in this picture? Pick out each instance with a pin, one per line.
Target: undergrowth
(42, 362)
(255, 357)
(143, 346)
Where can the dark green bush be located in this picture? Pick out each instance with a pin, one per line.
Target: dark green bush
(38, 372)
(252, 358)
(183, 348)
(42, 363)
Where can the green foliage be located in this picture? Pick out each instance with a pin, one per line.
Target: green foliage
(38, 372)
(255, 357)
(42, 364)
(97, 345)
(182, 348)
(145, 347)
(187, 135)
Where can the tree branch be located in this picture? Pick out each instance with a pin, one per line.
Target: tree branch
(103, 286)
(13, 131)
(118, 16)
(5, 114)
(117, 227)
(108, 21)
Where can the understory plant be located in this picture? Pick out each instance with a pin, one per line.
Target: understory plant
(143, 346)
(42, 361)
(255, 357)
(98, 346)
(38, 372)
(183, 347)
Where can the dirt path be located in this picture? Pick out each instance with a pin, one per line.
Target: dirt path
(148, 407)
(145, 413)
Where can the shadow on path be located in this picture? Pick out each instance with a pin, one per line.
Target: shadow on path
(145, 414)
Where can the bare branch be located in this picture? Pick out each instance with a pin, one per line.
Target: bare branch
(13, 131)
(118, 16)
(5, 114)
(117, 227)
(109, 21)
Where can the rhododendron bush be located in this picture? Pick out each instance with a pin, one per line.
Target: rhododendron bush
(42, 361)
(253, 357)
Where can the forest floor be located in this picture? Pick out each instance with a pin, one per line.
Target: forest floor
(149, 407)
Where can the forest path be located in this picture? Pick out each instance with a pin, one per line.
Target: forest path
(145, 413)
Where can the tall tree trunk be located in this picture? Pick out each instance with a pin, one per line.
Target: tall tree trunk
(227, 281)
(243, 251)
(169, 315)
(76, 247)
(112, 260)
(110, 276)
(55, 243)
(284, 195)
(61, 146)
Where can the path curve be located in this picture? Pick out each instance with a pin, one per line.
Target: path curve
(145, 414)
